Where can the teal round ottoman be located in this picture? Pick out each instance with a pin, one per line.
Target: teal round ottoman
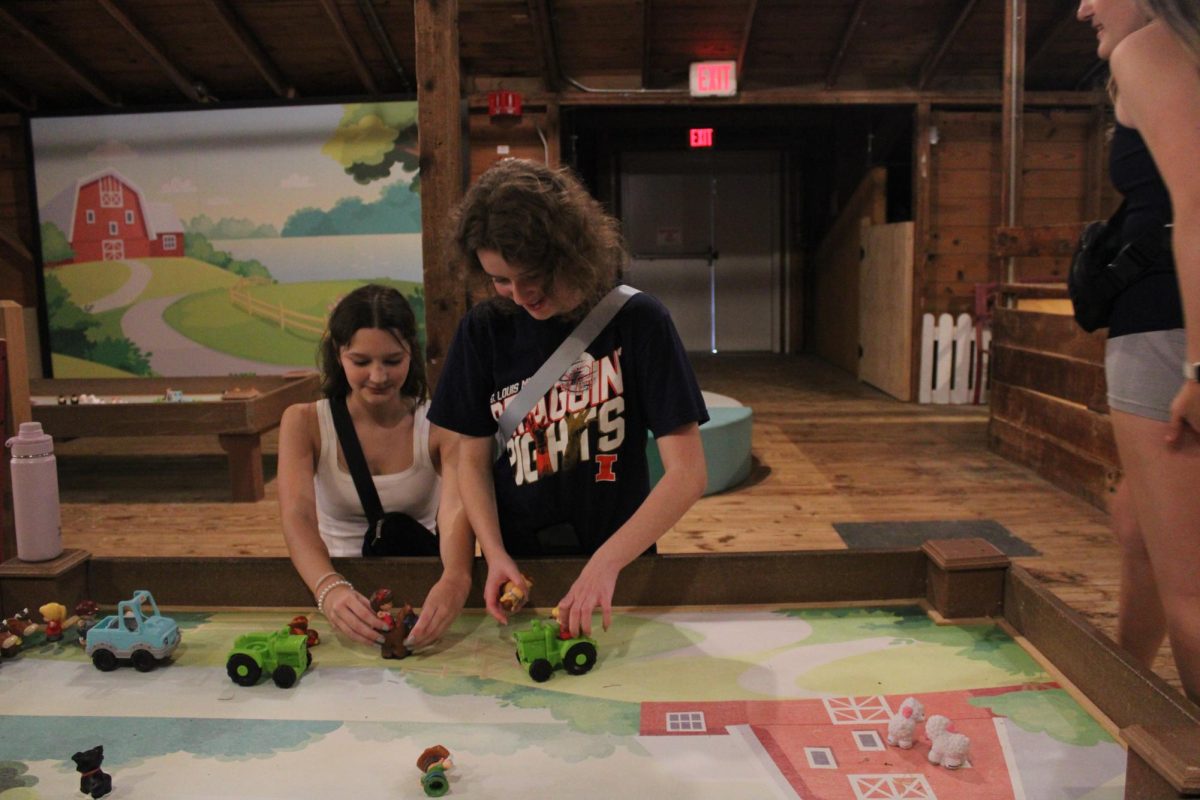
(726, 440)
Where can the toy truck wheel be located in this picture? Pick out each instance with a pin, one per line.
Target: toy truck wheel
(143, 661)
(540, 669)
(580, 658)
(104, 660)
(284, 677)
(243, 670)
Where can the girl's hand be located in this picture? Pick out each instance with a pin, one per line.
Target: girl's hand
(1185, 412)
(594, 587)
(500, 570)
(443, 604)
(350, 614)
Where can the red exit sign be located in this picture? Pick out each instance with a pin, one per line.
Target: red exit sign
(712, 79)
(700, 137)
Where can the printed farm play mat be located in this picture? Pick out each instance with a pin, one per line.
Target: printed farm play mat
(721, 703)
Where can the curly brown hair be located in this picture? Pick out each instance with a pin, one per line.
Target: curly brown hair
(370, 306)
(546, 222)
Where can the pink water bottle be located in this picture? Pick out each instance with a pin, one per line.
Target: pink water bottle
(35, 494)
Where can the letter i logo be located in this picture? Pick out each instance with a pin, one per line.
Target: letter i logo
(605, 462)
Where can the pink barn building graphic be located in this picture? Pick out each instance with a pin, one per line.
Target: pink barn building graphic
(836, 747)
(105, 217)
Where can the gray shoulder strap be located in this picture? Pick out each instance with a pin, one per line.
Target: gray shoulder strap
(562, 358)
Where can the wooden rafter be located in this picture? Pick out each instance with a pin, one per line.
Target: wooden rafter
(375, 25)
(1066, 21)
(835, 66)
(543, 31)
(1095, 69)
(747, 27)
(350, 46)
(248, 44)
(935, 57)
(12, 249)
(76, 72)
(182, 82)
(22, 99)
(647, 41)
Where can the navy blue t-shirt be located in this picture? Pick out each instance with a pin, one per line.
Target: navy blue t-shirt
(580, 456)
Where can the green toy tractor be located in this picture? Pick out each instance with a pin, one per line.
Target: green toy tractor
(281, 654)
(541, 650)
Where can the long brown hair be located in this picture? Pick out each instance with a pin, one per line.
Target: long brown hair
(371, 306)
(544, 221)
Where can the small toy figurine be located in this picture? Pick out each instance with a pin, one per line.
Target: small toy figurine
(53, 614)
(948, 747)
(19, 624)
(433, 764)
(399, 623)
(92, 779)
(86, 610)
(903, 725)
(512, 599)
(299, 626)
(10, 643)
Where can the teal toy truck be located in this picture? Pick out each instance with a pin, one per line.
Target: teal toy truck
(541, 650)
(137, 632)
(281, 654)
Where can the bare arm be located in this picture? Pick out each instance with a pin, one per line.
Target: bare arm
(456, 544)
(479, 500)
(681, 485)
(1159, 85)
(299, 450)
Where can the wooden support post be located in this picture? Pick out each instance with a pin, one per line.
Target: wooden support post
(440, 123)
(13, 332)
(965, 577)
(245, 466)
(922, 208)
(1013, 123)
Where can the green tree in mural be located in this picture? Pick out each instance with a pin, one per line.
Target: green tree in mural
(198, 247)
(371, 138)
(55, 247)
(75, 332)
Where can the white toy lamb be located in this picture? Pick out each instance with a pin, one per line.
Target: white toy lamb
(903, 725)
(948, 748)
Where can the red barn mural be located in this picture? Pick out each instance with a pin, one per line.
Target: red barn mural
(107, 218)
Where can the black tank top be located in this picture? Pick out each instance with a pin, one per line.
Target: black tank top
(1151, 303)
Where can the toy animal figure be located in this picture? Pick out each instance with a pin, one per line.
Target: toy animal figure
(433, 763)
(935, 726)
(86, 610)
(299, 626)
(10, 643)
(903, 724)
(19, 624)
(399, 623)
(92, 779)
(512, 599)
(948, 748)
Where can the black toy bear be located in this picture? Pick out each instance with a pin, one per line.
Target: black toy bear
(92, 779)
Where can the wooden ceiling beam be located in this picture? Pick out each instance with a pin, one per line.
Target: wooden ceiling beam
(248, 44)
(935, 57)
(77, 73)
(804, 97)
(183, 83)
(647, 41)
(543, 31)
(13, 250)
(747, 27)
(24, 100)
(350, 46)
(375, 25)
(835, 66)
(1066, 21)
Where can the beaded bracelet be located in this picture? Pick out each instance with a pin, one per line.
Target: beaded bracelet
(332, 585)
(323, 578)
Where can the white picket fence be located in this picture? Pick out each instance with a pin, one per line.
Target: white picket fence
(949, 361)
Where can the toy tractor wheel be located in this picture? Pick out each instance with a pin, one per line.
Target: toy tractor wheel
(307, 658)
(580, 658)
(243, 670)
(143, 661)
(540, 669)
(284, 677)
(104, 660)
(435, 784)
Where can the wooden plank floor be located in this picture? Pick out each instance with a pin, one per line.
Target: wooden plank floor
(827, 449)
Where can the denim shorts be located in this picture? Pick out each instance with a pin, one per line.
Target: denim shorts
(1145, 372)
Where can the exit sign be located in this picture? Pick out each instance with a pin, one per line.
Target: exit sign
(712, 79)
(700, 137)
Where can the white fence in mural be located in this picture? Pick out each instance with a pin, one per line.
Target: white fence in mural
(951, 360)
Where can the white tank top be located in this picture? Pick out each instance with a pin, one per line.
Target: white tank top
(340, 516)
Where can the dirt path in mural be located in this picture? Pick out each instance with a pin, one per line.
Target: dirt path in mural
(139, 279)
(173, 354)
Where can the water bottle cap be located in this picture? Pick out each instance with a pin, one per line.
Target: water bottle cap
(30, 441)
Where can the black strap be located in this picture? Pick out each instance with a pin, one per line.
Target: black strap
(356, 462)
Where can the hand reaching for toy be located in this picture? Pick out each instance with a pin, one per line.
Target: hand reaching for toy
(593, 588)
(350, 613)
(442, 605)
(502, 570)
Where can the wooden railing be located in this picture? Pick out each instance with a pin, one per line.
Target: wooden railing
(241, 298)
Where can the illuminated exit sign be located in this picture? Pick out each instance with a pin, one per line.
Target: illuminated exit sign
(700, 137)
(713, 79)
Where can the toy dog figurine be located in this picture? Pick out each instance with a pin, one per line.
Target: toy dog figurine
(92, 779)
(513, 599)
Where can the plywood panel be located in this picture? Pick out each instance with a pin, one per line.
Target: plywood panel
(885, 308)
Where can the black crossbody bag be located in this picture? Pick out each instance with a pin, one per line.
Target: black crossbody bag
(391, 533)
(1103, 267)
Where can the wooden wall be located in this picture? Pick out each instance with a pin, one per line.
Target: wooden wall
(17, 278)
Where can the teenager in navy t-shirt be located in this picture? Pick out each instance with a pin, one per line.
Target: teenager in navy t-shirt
(573, 478)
